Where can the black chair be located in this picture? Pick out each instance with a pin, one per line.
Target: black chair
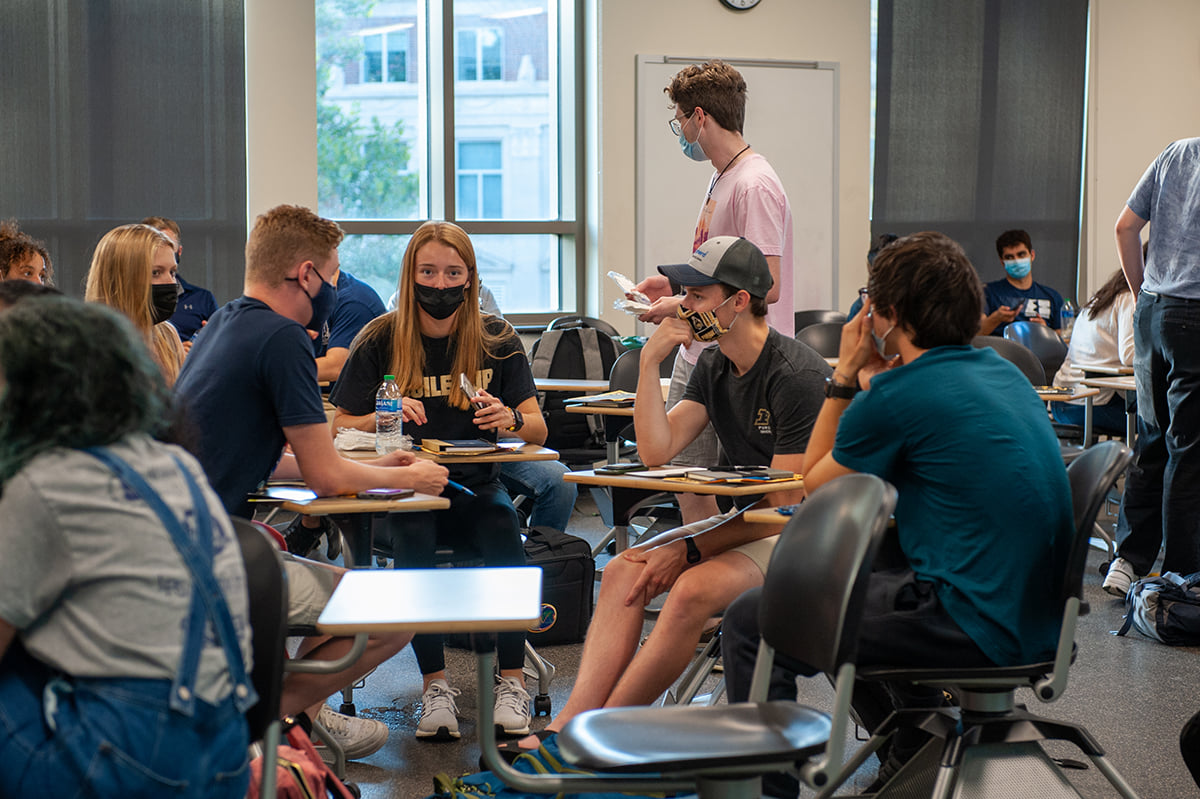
(821, 565)
(824, 337)
(566, 322)
(989, 743)
(1042, 341)
(816, 316)
(267, 586)
(1016, 354)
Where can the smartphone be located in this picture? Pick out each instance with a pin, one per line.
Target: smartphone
(385, 493)
(469, 388)
(619, 468)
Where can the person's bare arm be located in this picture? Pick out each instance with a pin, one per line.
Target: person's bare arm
(1001, 316)
(1129, 248)
(662, 435)
(773, 263)
(329, 365)
(329, 474)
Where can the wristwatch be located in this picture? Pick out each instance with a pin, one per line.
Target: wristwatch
(518, 421)
(836, 390)
(693, 551)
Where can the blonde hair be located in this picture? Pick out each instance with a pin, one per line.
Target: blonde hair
(287, 235)
(471, 340)
(119, 277)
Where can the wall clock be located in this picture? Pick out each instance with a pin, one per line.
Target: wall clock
(740, 5)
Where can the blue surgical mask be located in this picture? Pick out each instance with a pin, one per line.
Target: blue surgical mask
(1018, 267)
(691, 149)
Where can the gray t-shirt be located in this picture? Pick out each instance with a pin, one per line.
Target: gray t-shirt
(769, 410)
(1169, 196)
(91, 578)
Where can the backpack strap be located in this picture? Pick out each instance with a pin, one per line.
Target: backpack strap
(589, 341)
(543, 353)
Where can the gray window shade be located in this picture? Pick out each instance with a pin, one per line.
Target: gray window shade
(115, 110)
(979, 126)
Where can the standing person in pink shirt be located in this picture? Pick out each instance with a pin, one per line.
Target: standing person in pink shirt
(745, 198)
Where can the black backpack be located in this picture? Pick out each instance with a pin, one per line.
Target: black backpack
(575, 353)
(1165, 608)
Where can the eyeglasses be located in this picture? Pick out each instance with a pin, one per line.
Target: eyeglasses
(676, 124)
(863, 294)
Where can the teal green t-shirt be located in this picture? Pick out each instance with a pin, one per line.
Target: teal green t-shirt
(984, 509)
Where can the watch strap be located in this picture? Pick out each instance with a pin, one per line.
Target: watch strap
(693, 551)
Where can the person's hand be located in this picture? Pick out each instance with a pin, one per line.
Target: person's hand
(857, 344)
(187, 346)
(1037, 320)
(413, 410)
(491, 413)
(397, 457)
(426, 477)
(666, 339)
(662, 566)
(655, 287)
(660, 309)
(1003, 315)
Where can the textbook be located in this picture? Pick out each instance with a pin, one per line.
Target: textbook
(609, 399)
(458, 446)
(1058, 391)
(738, 474)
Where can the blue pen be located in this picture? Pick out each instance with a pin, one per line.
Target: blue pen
(459, 487)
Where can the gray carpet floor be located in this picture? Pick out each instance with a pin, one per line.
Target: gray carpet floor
(1131, 693)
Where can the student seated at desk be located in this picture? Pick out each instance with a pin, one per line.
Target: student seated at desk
(761, 391)
(1103, 336)
(250, 386)
(98, 606)
(435, 335)
(984, 508)
(1017, 297)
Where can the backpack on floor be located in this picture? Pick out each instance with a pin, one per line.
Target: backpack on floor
(568, 583)
(574, 353)
(1165, 608)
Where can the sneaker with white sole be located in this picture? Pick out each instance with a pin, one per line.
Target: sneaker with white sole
(1119, 577)
(357, 737)
(439, 714)
(512, 707)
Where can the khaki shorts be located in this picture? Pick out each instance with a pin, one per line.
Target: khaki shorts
(309, 587)
(758, 551)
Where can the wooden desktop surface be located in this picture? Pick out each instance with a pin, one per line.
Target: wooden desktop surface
(434, 600)
(589, 477)
(324, 506)
(511, 451)
(1080, 392)
(1124, 383)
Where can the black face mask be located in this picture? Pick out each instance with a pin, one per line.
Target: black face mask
(163, 298)
(440, 303)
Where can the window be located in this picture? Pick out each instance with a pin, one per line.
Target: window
(479, 180)
(461, 110)
(479, 54)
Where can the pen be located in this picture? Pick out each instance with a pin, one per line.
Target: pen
(459, 487)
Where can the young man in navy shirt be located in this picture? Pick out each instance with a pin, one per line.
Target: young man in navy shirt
(1017, 297)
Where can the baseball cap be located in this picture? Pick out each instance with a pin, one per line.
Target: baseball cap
(731, 260)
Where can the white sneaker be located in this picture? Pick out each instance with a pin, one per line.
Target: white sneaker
(358, 737)
(1120, 576)
(512, 707)
(439, 714)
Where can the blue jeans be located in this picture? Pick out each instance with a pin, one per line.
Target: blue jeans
(553, 499)
(1107, 418)
(1161, 496)
(113, 737)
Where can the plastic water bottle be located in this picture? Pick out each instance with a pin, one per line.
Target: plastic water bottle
(389, 420)
(1066, 320)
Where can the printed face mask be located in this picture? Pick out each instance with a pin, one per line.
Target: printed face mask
(705, 325)
(440, 303)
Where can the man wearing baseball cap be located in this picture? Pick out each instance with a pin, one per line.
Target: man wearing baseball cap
(762, 392)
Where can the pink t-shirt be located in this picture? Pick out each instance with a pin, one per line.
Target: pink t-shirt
(749, 201)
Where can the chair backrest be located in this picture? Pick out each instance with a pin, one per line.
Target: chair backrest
(1042, 341)
(824, 337)
(267, 587)
(566, 322)
(1091, 475)
(1015, 354)
(815, 586)
(817, 316)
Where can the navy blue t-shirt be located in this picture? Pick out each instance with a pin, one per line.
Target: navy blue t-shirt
(357, 304)
(250, 374)
(1035, 301)
(195, 305)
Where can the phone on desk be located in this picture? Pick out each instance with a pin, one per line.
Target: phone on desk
(469, 389)
(619, 468)
(384, 493)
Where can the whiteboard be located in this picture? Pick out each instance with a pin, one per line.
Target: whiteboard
(791, 119)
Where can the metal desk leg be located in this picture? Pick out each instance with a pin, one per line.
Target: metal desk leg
(1087, 422)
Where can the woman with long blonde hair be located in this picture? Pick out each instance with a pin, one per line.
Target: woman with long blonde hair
(436, 335)
(133, 270)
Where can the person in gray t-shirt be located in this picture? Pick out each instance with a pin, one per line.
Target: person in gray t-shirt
(1161, 500)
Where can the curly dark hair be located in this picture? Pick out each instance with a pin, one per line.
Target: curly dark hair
(714, 86)
(16, 246)
(75, 375)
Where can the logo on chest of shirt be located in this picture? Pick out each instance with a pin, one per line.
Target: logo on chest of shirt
(762, 421)
(440, 385)
(1030, 308)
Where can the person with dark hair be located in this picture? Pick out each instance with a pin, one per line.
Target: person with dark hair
(1161, 500)
(12, 291)
(1017, 296)
(22, 257)
(877, 244)
(914, 403)
(250, 387)
(436, 335)
(1103, 336)
(116, 678)
(761, 390)
(745, 198)
(196, 304)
